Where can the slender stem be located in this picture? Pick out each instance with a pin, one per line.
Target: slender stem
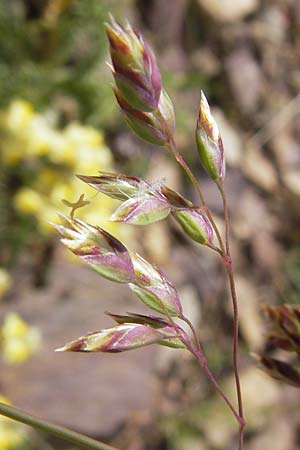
(226, 217)
(196, 339)
(236, 349)
(56, 430)
(219, 389)
(215, 249)
(188, 171)
(236, 336)
(228, 264)
(201, 359)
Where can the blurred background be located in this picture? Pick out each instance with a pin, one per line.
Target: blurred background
(58, 117)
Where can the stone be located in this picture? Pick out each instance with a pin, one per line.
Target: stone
(259, 169)
(291, 180)
(228, 10)
(245, 79)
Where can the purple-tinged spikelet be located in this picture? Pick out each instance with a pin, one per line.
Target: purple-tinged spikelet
(154, 289)
(145, 203)
(285, 320)
(280, 370)
(195, 224)
(155, 127)
(134, 66)
(115, 185)
(99, 249)
(125, 336)
(209, 142)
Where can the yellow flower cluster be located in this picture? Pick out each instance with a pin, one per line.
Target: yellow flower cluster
(12, 434)
(19, 340)
(30, 142)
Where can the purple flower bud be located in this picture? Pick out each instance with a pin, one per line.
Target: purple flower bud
(96, 247)
(154, 289)
(134, 66)
(209, 142)
(120, 338)
(195, 224)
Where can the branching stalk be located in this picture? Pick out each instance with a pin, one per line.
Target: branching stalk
(224, 252)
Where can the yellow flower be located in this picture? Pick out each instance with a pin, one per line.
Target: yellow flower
(46, 179)
(19, 340)
(89, 150)
(28, 201)
(61, 150)
(54, 156)
(61, 191)
(83, 135)
(5, 282)
(40, 137)
(89, 160)
(19, 116)
(96, 218)
(12, 150)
